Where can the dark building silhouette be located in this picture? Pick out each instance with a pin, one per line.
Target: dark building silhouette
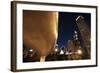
(85, 34)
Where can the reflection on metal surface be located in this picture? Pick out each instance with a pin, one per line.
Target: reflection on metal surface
(47, 49)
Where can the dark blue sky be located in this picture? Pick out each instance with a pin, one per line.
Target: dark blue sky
(67, 25)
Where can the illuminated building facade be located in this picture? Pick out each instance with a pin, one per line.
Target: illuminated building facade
(74, 48)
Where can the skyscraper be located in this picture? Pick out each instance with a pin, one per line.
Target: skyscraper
(85, 34)
(74, 47)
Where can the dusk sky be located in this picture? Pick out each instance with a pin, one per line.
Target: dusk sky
(67, 25)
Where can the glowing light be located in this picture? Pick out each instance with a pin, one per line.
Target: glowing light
(31, 50)
(56, 50)
(75, 32)
(79, 51)
(61, 52)
(67, 53)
